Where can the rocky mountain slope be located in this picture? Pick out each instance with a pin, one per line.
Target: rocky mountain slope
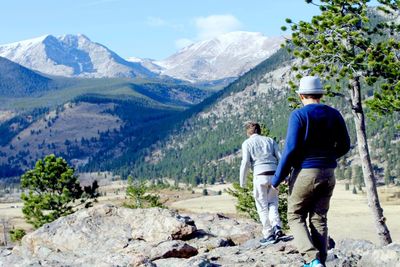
(226, 56)
(71, 56)
(111, 236)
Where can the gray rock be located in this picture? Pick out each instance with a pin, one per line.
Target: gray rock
(108, 236)
(201, 261)
(222, 226)
(355, 246)
(102, 236)
(362, 253)
(386, 256)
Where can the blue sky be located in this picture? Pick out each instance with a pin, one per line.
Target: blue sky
(146, 28)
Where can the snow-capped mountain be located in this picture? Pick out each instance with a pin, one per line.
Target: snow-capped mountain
(147, 63)
(71, 56)
(228, 55)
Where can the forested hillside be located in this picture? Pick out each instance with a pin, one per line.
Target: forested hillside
(17, 81)
(205, 146)
(81, 119)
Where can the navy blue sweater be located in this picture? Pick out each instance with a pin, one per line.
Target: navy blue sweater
(316, 137)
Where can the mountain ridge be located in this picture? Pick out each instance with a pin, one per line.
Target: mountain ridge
(71, 56)
(225, 56)
(222, 58)
(18, 81)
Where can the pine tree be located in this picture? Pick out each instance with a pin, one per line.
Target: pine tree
(245, 199)
(53, 191)
(139, 196)
(345, 46)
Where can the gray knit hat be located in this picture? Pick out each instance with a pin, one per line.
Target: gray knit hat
(310, 85)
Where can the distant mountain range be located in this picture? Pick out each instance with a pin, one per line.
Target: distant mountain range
(227, 56)
(71, 56)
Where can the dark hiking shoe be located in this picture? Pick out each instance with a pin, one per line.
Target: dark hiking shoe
(268, 241)
(278, 231)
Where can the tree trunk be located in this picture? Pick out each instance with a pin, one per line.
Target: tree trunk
(363, 150)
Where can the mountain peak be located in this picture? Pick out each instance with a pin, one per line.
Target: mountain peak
(225, 56)
(40, 39)
(74, 37)
(71, 55)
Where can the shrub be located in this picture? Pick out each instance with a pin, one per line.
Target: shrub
(53, 191)
(139, 197)
(17, 234)
(246, 204)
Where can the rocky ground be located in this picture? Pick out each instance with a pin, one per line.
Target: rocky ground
(107, 235)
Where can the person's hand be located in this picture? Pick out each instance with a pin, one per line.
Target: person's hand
(276, 188)
(286, 180)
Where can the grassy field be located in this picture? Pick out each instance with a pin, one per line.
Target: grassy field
(350, 216)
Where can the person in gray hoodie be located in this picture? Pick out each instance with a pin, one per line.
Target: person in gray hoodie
(262, 154)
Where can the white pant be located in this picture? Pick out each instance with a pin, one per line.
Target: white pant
(266, 199)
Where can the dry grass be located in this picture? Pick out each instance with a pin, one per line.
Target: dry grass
(350, 216)
(213, 204)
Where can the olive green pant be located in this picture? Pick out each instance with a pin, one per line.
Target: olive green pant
(310, 191)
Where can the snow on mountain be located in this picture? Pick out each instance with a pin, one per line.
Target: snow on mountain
(228, 55)
(71, 56)
(147, 63)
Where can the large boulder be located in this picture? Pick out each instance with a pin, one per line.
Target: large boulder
(219, 225)
(351, 252)
(106, 235)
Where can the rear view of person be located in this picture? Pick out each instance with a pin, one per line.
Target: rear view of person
(316, 137)
(262, 154)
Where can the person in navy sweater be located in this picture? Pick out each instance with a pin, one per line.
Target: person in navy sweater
(316, 137)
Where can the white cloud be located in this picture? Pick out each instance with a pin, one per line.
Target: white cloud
(210, 27)
(214, 25)
(183, 42)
